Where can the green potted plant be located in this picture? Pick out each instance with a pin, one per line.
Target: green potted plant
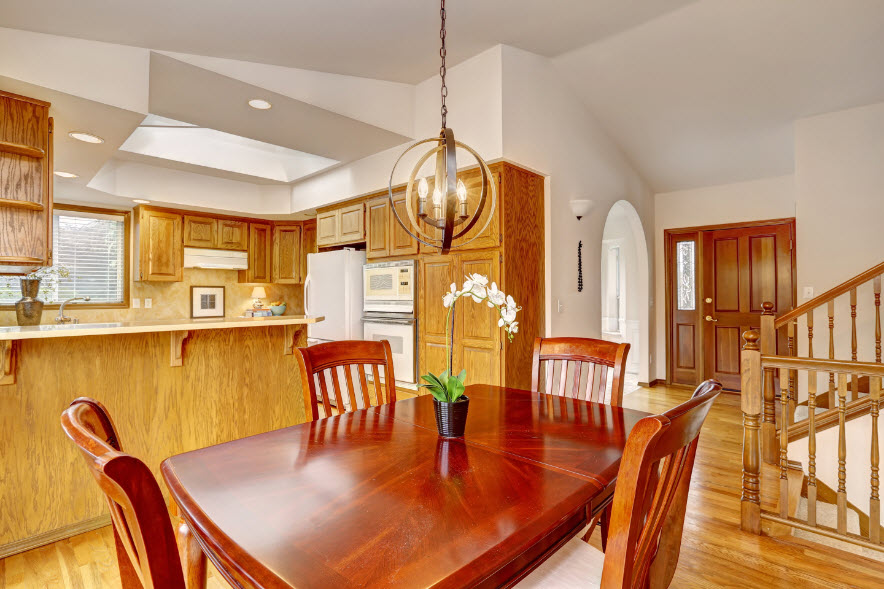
(449, 401)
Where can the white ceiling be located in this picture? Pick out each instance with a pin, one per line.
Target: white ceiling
(708, 94)
(385, 39)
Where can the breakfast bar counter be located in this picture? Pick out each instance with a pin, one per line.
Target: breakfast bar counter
(171, 385)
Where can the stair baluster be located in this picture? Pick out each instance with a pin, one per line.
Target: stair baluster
(842, 454)
(854, 380)
(811, 447)
(784, 447)
(831, 309)
(874, 500)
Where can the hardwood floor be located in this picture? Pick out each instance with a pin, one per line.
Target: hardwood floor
(714, 553)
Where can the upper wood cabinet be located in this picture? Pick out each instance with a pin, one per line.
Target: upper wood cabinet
(287, 254)
(401, 243)
(260, 254)
(308, 245)
(232, 235)
(384, 236)
(480, 235)
(158, 239)
(199, 231)
(341, 225)
(377, 225)
(26, 149)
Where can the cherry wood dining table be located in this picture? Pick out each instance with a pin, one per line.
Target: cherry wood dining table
(375, 498)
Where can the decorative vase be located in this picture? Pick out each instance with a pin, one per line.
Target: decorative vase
(29, 309)
(451, 418)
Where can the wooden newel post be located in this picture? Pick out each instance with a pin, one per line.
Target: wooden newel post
(769, 450)
(751, 403)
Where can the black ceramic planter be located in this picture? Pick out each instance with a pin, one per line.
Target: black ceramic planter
(451, 418)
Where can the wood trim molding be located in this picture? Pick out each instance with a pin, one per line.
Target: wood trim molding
(55, 535)
(7, 362)
(21, 204)
(177, 347)
(740, 225)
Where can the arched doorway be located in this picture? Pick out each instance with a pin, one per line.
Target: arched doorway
(624, 288)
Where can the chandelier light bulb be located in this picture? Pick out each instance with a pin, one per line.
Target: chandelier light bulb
(423, 189)
(461, 191)
(437, 197)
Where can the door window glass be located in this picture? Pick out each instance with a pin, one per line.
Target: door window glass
(685, 275)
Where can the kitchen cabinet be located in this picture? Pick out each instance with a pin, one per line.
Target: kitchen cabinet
(479, 236)
(232, 235)
(377, 225)
(26, 166)
(260, 254)
(477, 338)
(384, 236)
(401, 243)
(341, 225)
(199, 231)
(287, 254)
(159, 242)
(308, 244)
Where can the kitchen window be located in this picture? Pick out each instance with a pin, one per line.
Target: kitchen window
(90, 258)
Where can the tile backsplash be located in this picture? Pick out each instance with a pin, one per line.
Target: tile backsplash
(171, 300)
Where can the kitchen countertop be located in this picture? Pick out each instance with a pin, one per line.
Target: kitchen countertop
(84, 329)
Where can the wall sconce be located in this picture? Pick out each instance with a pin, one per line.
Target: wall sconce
(581, 207)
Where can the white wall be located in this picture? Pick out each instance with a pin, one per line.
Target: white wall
(547, 128)
(474, 104)
(175, 187)
(770, 198)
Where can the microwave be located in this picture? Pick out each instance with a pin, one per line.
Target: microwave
(389, 287)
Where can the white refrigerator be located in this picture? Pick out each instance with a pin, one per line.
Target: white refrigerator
(333, 289)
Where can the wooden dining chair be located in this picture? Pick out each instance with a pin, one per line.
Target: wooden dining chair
(580, 368)
(147, 553)
(324, 366)
(649, 507)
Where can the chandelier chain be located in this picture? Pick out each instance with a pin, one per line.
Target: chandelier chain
(443, 52)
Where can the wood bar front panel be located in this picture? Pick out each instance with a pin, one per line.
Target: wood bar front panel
(233, 383)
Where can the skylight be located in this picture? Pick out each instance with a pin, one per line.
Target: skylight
(182, 142)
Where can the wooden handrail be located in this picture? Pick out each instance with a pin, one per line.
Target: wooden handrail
(830, 294)
(827, 419)
(820, 365)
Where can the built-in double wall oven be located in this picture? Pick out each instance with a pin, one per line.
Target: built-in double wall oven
(389, 313)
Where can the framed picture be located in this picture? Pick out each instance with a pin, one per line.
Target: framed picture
(206, 301)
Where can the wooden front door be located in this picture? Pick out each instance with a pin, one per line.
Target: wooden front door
(718, 280)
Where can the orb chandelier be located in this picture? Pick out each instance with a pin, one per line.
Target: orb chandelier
(448, 208)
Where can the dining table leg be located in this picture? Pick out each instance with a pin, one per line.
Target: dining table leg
(192, 558)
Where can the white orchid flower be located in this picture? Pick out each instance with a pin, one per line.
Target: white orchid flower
(450, 297)
(495, 296)
(478, 292)
(508, 315)
(513, 327)
(477, 279)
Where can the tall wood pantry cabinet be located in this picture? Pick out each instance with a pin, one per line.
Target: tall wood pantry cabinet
(510, 252)
(26, 148)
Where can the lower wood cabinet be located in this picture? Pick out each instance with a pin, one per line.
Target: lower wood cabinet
(159, 242)
(477, 338)
(260, 254)
(287, 254)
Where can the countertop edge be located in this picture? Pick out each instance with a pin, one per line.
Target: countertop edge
(86, 329)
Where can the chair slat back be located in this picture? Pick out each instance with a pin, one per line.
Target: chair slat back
(146, 549)
(651, 495)
(580, 368)
(327, 376)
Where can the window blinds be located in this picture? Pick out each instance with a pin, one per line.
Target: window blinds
(91, 248)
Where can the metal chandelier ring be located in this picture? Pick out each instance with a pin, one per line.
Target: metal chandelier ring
(422, 236)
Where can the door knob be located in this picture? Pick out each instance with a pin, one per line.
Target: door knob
(709, 318)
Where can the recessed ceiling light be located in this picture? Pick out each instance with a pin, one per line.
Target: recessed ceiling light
(141, 201)
(61, 174)
(259, 104)
(86, 137)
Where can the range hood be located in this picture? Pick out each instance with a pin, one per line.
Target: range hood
(197, 257)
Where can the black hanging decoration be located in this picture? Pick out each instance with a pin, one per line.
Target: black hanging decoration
(580, 266)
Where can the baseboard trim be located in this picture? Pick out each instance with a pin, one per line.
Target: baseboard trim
(54, 535)
(652, 384)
